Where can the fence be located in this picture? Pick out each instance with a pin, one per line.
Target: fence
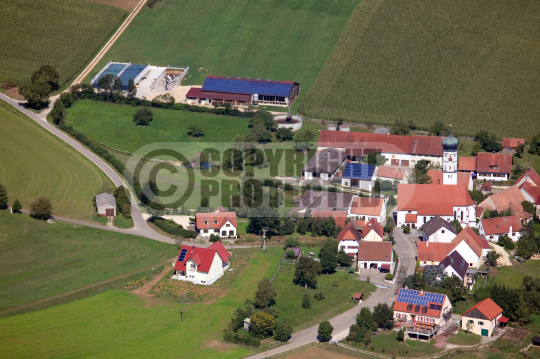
(276, 272)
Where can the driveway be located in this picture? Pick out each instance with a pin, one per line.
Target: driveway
(504, 259)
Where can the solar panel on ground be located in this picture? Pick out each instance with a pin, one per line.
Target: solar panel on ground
(182, 255)
(247, 87)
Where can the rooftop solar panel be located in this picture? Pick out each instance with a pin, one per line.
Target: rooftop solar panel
(246, 86)
(182, 255)
(358, 171)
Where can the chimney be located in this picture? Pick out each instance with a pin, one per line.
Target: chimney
(427, 243)
(510, 232)
(192, 247)
(421, 292)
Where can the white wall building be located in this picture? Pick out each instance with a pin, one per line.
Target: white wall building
(201, 265)
(493, 228)
(222, 224)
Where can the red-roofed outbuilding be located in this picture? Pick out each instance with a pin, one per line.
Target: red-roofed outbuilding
(485, 316)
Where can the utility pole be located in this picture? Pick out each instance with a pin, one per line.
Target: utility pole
(264, 238)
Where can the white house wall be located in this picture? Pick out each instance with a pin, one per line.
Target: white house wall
(102, 209)
(441, 237)
(468, 254)
(346, 243)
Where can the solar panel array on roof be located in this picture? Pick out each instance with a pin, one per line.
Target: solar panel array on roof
(245, 86)
(414, 297)
(182, 255)
(358, 171)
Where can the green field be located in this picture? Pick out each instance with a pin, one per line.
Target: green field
(36, 163)
(387, 341)
(30, 38)
(512, 276)
(338, 298)
(464, 338)
(286, 40)
(40, 260)
(468, 63)
(119, 324)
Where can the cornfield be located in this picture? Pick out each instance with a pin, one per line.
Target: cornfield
(472, 64)
(62, 33)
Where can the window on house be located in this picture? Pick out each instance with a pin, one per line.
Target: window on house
(513, 233)
(216, 230)
(205, 231)
(442, 231)
(205, 222)
(424, 262)
(470, 321)
(215, 222)
(193, 266)
(203, 281)
(227, 225)
(490, 237)
(480, 323)
(470, 264)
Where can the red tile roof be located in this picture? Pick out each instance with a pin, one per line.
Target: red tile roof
(366, 206)
(501, 225)
(373, 225)
(402, 306)
(532, 191)
(339, 216)
(494, 162)
(485, 243)
(196, 92)
(479, 211)
(435, 209)
(411, 218)
(392, 172)
(411, 195)
(359, 143)
(502, 201)
(467, 164)
(220, 217)
(486, 187)
(438, 251)
(203, 257)
(529, 176)
(349, 233)
(463, 178)
(375, 251)
(487, 307)
(512, 142)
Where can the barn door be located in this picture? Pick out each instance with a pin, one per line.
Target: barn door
(109, 212)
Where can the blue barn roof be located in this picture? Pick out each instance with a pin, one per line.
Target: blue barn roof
(248, 86)
(358, 171)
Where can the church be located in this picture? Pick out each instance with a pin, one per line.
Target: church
(450, 200)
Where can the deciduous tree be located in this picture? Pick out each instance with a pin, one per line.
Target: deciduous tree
(383, 316)
(306, 302)
(48, 74)
(265, 295)
(41, 208)
(282, 332)
(195, 131)
(364, 319)
(328, 255)
(304, 141)
(284, 134)
(376, 158)
(143, 116)
(492, 257)
(306, 272)
(344, 259)
(325, 331)
(36, 93)
(262, 323)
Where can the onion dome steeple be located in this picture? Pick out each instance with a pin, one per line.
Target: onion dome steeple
(450, 142)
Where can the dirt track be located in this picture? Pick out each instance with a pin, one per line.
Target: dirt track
(504, 259)
(123, 4)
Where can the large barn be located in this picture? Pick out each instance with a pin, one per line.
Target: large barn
(244, 92)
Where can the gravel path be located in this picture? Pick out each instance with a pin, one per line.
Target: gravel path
(504, 259)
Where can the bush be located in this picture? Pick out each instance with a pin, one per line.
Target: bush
(263, 324)
(306, 303)
(407, 229)
(319, 296)
(325, 331)
(282, 332)
(288, 187)
(292, 242)
(389, 276)
(173, 228)
(400, 335)
(143, 116)
(290, 254)
(41, 208)
(506, 242)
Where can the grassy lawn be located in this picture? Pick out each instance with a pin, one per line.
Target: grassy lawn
(193, 33)
(120, 324)
(467, 58)
(532, 160)
(35, 163)
(30, 39)
(122, 222)
(337, 299)
(387, 340)
(512, 276)
(462, 305)
(39, 260)
(462, 338)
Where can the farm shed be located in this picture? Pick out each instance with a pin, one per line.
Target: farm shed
(106, 204)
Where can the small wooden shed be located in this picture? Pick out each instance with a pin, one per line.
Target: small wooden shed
(357, 297)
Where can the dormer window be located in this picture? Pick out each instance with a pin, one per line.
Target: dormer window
(227, 225)
(205, 222)
(193, 266)
(215, 222)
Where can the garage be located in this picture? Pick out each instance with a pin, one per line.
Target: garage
(395, 162)
(405, 163)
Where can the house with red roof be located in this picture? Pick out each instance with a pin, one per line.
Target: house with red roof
(509, 199)
(375, 255)
(509, 144)
(403, 151)
(485, 318)
(492, 228)
(372, 231)
(201, 265)
(392, 173)
(425, 314)
(348, 238)
(486, 188)
(467, 243)
(529, 185)
(467, 164)
(339, 216)
(493, 166)
(463, 178)
(367, 208)
(418, 203)
(220, 223)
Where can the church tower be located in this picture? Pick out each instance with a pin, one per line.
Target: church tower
(450, 157)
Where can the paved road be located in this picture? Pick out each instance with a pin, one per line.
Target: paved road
(406, 252)
(141, 227)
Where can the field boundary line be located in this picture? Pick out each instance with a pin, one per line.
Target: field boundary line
(109, 44)
(45, 300)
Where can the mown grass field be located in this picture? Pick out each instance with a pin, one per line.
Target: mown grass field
(388, 342)
(35, 163)
(286, 40)
(464, 338)
(120, 324)
(473, 64)
(512, 276)
(337, 298)
(62, 33)
(40, 260)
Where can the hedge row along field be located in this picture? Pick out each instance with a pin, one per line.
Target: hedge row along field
(473, 64)
(62, 33)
